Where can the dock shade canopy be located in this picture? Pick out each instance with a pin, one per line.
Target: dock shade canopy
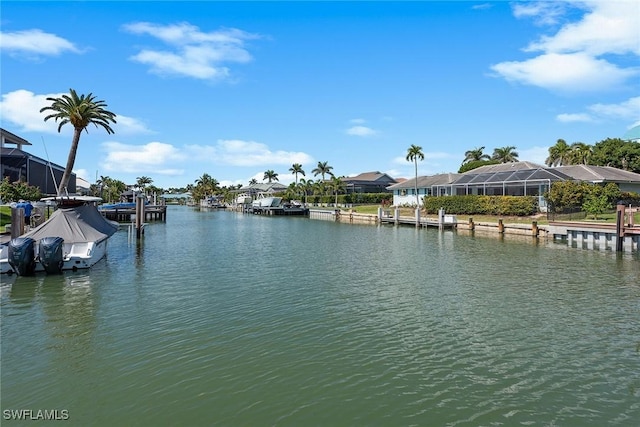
(77, 224)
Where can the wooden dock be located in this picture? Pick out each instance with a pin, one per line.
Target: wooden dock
(151, 213)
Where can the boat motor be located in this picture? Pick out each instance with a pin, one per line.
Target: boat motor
(50, 254)
(22, 255)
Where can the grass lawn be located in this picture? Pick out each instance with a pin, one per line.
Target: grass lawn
(5, 216)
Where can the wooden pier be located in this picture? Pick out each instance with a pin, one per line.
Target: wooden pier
(151, 213)
(277, 210)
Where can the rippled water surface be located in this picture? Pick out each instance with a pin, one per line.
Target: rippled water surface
(219, 318)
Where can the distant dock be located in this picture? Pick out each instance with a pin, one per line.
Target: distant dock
(125, 214)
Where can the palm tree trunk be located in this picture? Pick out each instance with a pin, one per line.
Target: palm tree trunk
(71, 160)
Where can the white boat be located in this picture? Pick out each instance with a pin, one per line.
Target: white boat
(74, 237)
(215, 202)
(243, 199)
(264, 201)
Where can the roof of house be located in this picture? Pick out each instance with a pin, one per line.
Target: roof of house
(513, 176)
(503, 167)
(598, 173)
(426, 181)
(11, 138)
(370, 177)
(632, 134)
(264, 187)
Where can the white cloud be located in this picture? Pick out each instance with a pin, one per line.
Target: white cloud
(22, 109)
(32, 44)
(361, 131)
(357, 121)
(237, 152)
(82, 173)
(542, 12)
(192, 53)
(627, 110)
(565, 72)
(153, 157)
(581, 56)
(129, 125)
(609, 28)
(574, 117)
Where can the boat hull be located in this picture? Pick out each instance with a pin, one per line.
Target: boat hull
(77, 256)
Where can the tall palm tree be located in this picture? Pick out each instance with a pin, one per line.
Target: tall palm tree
(296, 169)
(559, 154)
(414, 153)
(475, 155)
(323, 168)
(80, 111)
(270, 175)
(505, 154)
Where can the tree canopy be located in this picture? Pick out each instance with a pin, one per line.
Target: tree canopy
(80, 111)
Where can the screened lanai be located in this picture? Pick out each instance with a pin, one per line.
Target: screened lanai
(525, 182)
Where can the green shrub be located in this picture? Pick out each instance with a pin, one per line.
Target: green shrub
(483, 205)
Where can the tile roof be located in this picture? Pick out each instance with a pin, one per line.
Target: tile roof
(598, 173)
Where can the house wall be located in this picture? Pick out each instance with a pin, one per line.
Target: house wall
(630, 187)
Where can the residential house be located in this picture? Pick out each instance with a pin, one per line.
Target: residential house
(19, 165)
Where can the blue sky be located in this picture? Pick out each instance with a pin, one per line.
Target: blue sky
(233, 89)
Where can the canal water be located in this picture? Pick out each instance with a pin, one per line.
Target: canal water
(223, 319)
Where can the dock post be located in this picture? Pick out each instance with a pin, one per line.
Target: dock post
(418, 216)
(139, 216)
(441, 218)
(619, 227)
(17, 222)
(472, 226)
(534, 228)
(396, 216)
(500, 226)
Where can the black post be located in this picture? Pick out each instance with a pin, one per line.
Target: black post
(619, 226)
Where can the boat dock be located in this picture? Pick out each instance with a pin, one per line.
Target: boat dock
(151, 212)
(276, 210)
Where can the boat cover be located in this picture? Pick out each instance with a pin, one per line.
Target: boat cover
(75, 224)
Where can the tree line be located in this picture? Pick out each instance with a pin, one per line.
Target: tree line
(613, 152)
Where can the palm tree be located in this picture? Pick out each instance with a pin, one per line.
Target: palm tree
(580, 153)
(323, 168)
(270, 176)
(475, 155)
(142, 182)
(505, 154)
(296, 169)
(307, 187)
(559, 154)
(80, 111)
(337, 185)
(414, 153)
(253, 181)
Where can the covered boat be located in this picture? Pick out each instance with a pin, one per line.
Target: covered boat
(79, 233)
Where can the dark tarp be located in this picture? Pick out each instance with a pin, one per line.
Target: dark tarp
(77, 224)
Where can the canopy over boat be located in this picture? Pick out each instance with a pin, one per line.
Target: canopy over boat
(75, 224)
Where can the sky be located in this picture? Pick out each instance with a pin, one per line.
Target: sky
(233, 89)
